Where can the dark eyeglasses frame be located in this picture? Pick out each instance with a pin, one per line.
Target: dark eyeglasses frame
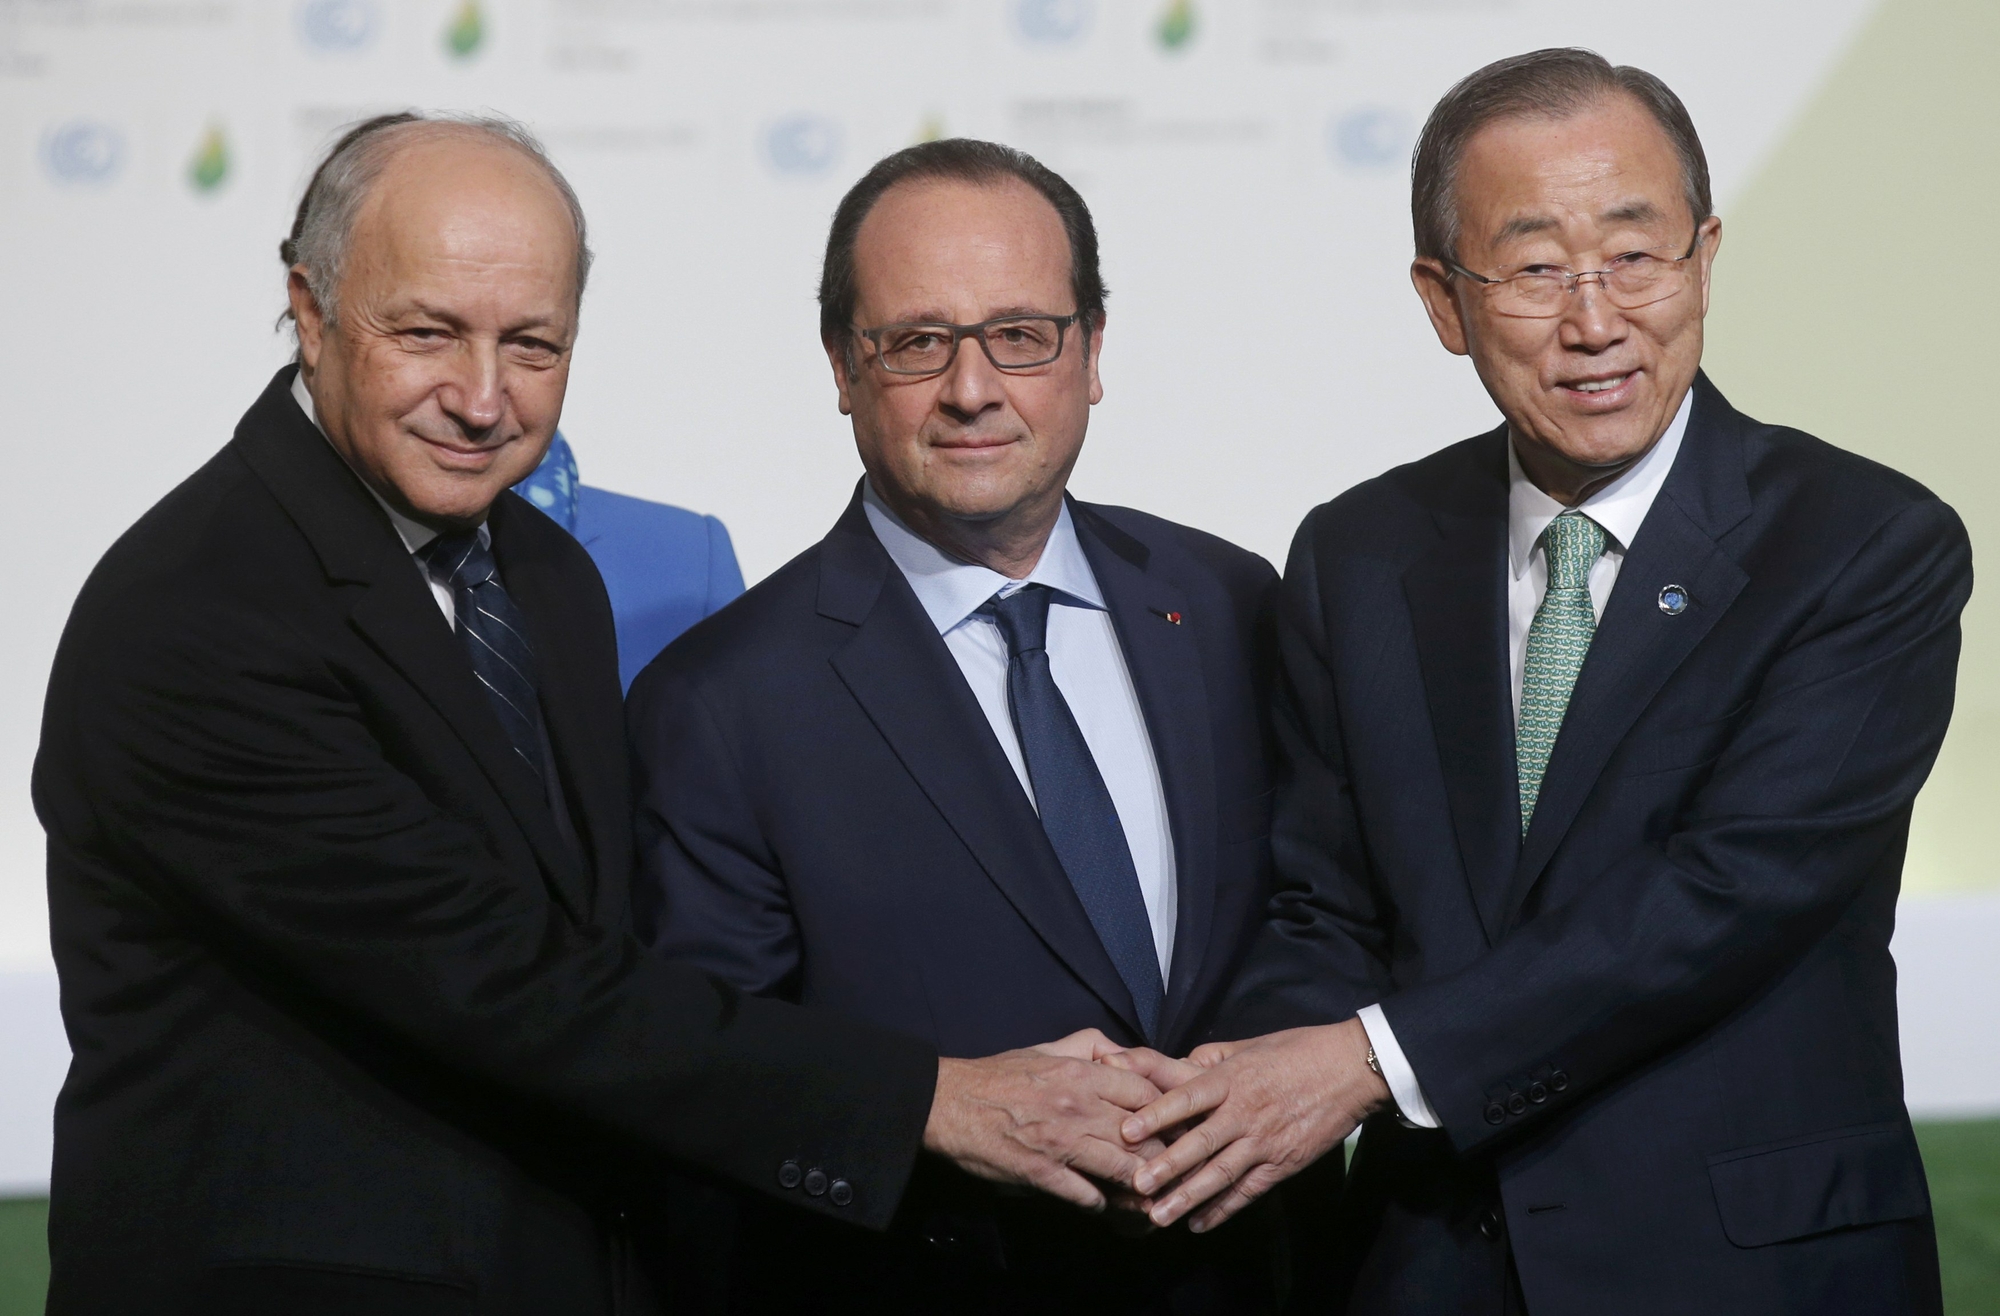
(960, 332)
(1571, 279)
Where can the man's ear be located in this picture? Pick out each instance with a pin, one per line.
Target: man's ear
(1093, 347)
(306, 315)
(837, 356)
(1711, 242)
(1433, 283)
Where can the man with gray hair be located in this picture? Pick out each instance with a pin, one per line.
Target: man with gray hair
(334, 776)
(1601, 733)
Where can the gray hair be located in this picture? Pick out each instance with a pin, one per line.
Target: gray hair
(324, 227)
(1551, 84)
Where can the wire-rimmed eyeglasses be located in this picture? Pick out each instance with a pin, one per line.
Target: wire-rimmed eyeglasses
(1011, 342)
(1540, 292)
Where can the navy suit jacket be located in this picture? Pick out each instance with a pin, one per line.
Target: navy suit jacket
(1660, 1030)
(826, 816)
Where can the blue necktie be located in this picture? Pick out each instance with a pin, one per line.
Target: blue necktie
(1077, 812)
(490, 628)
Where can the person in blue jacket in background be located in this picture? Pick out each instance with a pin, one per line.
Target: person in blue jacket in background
(665, 567)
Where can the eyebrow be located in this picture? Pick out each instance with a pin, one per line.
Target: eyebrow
(934, 316)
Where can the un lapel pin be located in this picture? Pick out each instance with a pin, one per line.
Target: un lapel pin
(1674, 600)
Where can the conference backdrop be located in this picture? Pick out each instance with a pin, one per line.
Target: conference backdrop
(1247, 162)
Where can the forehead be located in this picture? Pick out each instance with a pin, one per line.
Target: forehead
(457, 198)
(1610, 159)
(932, 244)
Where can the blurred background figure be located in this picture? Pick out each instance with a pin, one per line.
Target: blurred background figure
(665, 567)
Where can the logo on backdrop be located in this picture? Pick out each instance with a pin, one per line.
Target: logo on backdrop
(1176, 26)
(337, 25)
(1370, 137)
(83, 152)
(1053, 22)
(802, 145)
(209, 169)
(466, 32)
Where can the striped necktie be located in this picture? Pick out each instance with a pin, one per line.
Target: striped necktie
(494, 636)
(1076, 807)
(1557, 642)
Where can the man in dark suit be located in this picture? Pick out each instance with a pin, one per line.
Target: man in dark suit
(1601, 732)
(986, 764)
(334, 778)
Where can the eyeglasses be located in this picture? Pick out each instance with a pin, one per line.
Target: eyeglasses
(1541, 292)
(1011, 342)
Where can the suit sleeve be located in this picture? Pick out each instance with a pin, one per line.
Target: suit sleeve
(1323, 951)
(708, 890)
(207, 752)
(1812, 795)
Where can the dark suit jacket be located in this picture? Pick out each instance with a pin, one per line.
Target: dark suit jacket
(825, 814)
(1661, 1029)
(355, 1028)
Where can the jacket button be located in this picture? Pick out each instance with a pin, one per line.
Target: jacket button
(1491, 1224)
(815, 1183)
(1516, 1103)
(840, 1192)
(789, 1174)
(1558, 1081)
(1495, 1112)
(1538, 1092)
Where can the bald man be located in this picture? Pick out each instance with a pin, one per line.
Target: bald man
(334, 778)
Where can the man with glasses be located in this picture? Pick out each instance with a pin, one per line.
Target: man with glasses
(1600, 737)
(985, 766)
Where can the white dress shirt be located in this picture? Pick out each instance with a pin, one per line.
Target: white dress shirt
(415, 537)
(1088, 666)
(1619, 508)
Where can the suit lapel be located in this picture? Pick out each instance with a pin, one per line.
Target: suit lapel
(586, 733)
(1165, 661)
(905, 679)
(1458, 609)
(395, 612)
(1638, 646)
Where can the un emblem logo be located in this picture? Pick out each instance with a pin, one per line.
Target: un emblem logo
(337, 25)
(83, 151)
(1372, 137)
(802, 144)
(1053, 22)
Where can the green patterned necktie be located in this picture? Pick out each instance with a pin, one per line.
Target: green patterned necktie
(1557, 642)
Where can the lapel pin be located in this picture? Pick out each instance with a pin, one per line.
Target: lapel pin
(1674, 600)
(1173, 617)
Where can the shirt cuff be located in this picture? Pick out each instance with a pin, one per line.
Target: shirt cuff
(1411, 1107)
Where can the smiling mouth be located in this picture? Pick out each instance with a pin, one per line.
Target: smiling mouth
(1599, 385)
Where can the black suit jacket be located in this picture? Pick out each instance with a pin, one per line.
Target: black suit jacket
(355, 1027)
(825, 814)
(1660, 1030)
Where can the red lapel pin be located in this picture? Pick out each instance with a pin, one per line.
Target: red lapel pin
(1173, 617)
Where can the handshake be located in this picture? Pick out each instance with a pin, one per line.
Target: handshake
(1094, 1123)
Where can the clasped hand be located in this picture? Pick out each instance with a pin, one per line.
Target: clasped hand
(1209, 1134)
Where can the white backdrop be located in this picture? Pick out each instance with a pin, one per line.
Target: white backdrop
(1246, 161)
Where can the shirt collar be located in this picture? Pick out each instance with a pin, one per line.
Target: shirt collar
(1619, 508)
(951, 591)
(415, 535)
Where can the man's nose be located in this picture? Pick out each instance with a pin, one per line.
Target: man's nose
(971, 384)
(1590, 322)
(475, 396)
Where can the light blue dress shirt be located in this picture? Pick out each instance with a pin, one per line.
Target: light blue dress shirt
(1089, 668)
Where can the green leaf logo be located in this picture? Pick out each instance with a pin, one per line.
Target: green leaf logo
(467, 31)
(210, 167)
(931, 129)
(1177, 25)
